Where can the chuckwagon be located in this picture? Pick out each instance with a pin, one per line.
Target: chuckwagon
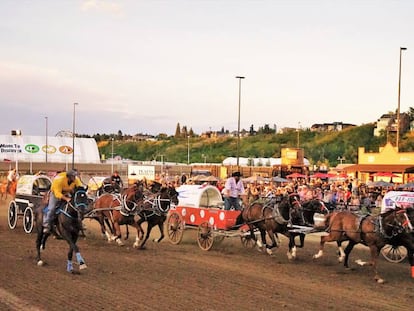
(201, 207)
(29, 193)
(405, 199)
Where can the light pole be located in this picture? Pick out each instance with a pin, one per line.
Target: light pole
(188, 149)
(46, 149)
(238, 121)
(73, 136)
(17, 133)
(112, 155)
(398, 108)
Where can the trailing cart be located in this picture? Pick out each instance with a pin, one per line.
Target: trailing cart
(29, 194)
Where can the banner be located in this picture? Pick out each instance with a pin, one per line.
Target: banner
(58, 149)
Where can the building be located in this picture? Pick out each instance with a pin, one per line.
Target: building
(387, 160)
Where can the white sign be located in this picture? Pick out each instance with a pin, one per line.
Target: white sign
(58, 149)
(139, 172)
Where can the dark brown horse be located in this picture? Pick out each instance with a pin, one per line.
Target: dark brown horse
(155, 210)
(372, 231)
(272, 217)
(117, 210)
(68, 224)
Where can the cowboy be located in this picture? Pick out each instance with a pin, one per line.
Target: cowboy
(62, 185)
(117, 181)
(233, 189)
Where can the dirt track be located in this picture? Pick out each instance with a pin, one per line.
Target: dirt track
(183, 277)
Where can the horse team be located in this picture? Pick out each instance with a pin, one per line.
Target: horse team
(393, 227)
(111, 210)
(152, 203)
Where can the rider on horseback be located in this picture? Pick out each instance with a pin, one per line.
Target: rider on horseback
(62, 185)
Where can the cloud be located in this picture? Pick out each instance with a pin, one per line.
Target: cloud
(106, 6)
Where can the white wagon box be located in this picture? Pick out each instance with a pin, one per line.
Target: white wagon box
(29, 193)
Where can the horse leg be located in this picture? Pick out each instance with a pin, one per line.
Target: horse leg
(324, 239)
(71, 238)
(348, 250)
(341, 253)
(375, 251)
(117, 234)
(273, 240)
(291, 254)
(149, 228)
(161, 227)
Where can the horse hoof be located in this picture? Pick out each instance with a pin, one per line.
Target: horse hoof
(380, 281)
(40, 263)
(82, 266)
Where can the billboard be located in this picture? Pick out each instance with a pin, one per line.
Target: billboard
(58, 149)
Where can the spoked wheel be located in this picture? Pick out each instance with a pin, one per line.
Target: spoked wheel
(205, 237)
(246, 239)
(12, 215)
(28, 220)
(175, 228)
(394, 253)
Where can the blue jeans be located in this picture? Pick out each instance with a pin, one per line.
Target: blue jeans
(230, 202)
(53, 202)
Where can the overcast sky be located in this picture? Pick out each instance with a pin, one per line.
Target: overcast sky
(142, 66)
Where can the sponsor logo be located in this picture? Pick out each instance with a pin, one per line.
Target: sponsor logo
(65, 149)
(32, 148)
(49, 149)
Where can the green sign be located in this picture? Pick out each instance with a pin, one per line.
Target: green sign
(32, 148)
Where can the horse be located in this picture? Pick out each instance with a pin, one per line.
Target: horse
(68, 224)
(11, 190)
(273, 218)
(155, 210)
(375, 232)
(119, 209)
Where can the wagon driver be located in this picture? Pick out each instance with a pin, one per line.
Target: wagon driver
(62, 185)
(233, 190)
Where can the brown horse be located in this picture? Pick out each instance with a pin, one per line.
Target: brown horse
(11, 191)
(372, 231)
(119, 209)
(272, 218)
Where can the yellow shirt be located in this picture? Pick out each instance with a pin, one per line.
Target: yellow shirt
(60, 185)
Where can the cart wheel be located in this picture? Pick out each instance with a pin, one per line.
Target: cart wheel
(394, 253)
(12, 215)
(175, 228)
(28, 220)
(246, 239)
(205, 237)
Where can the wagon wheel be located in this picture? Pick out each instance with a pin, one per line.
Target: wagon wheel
(12, 215)
(175, 228)
(205, 238)
(28, 220)
(394, 253)
(246, 239)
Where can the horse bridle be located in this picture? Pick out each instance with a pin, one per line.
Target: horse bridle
(79, 208)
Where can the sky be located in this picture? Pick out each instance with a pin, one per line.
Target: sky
(144, 66)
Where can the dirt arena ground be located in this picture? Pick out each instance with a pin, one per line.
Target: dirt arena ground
(183, 277)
